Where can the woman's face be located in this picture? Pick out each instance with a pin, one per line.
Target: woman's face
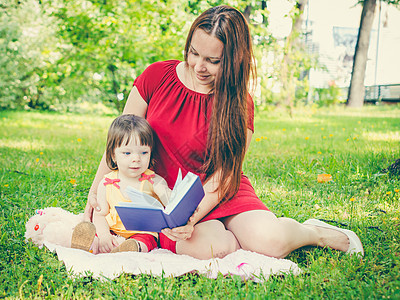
(204, 60)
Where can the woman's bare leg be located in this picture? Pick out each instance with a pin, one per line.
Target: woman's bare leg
(209, 239)
(262, 232)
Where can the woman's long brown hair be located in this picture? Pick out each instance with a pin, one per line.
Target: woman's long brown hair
(226, 143)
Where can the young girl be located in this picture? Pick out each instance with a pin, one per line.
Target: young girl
(128, 155)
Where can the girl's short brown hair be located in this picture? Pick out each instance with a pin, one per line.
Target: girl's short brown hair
(121, 130)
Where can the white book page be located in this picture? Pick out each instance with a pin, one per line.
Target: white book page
(179, 191)
(177, 183)
(140, 200)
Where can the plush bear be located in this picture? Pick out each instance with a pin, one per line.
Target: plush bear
(52, 224)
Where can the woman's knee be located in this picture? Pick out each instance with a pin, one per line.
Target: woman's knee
(222, 244)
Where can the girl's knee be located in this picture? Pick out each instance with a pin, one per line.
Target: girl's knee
(209, 241)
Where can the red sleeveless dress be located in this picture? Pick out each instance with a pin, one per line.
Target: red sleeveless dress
(180, 119)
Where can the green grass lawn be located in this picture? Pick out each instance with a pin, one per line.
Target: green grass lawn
(49, 159)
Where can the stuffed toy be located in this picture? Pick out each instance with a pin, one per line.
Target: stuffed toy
(52, 224)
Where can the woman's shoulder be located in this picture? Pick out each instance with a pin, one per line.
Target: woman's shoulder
(154, 76)
(161, 67)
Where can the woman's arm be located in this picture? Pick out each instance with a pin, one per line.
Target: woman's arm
(249, 136)
(106, 242)
(209, 201)
(92, 196)
(134, 105)
(211, 198)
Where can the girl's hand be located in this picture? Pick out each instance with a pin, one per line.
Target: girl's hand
(179, 233)
(95, 245)
(107, 243)
(90, 205)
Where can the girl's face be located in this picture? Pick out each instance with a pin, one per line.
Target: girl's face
(133, 158)
(204, 60)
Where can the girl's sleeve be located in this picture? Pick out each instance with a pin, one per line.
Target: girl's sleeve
(250, 113)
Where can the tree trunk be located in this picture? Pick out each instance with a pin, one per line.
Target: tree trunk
(292, 41)
(247, 12)
(115, 87)
(357, 90)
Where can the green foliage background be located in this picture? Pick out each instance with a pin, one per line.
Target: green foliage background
(60, 55)
(58, 52)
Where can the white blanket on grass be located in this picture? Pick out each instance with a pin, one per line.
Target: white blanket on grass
(160, 262)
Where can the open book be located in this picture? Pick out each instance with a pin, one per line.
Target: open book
(145, 213)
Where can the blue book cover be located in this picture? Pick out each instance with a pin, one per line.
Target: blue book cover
(145, 213)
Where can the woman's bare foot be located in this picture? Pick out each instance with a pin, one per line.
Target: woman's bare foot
(331, 238)
(336, 238)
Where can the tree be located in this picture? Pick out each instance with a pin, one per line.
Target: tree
(61, 55)
(282, 60)
(356, 89)
(291, 49)
(114, 41)
(29, 52)
(58, 54)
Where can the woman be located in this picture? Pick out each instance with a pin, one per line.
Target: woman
(202, 116)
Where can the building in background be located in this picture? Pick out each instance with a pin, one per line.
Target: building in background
(332, 28)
